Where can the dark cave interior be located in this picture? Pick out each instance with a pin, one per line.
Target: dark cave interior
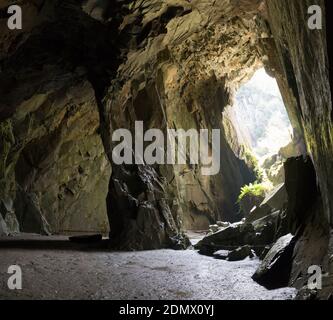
(80, 70)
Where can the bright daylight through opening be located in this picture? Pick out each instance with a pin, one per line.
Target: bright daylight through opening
(261, 113)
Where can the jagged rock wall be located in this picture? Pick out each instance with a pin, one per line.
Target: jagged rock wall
(81, 69)
(304, 59)
(304, 64)
(183, 61)
(177, 65)
(54, 171)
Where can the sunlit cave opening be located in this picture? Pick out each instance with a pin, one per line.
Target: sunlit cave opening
(267, 140)
(262, 115)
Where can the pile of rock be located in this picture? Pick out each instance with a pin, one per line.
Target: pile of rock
(253, 236)
(220, 225)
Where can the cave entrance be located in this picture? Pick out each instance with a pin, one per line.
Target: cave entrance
(261, 112)
(266, 128)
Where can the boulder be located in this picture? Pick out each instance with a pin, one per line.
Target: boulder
(221, 254)
(277, 198)
(234, 235)
(29, 213)
(274, 271)
(258, 235)
(240, 253)
(248, 202)
(258, 213)
(302, 190)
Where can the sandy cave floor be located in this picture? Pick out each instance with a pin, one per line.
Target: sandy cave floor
(160, 274)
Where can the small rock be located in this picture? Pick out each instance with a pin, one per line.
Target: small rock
(221, 254)
(223, 224)
(240, 254)
(214, 228)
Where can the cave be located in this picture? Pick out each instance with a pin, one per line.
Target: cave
(78, 71)
(262, 115)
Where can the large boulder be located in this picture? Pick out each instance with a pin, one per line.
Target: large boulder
(302, 190)
(141, 214)
(277, 198)
(265, 230)
(274, 271)
(237, 234)
(257, 235)
(12, 223)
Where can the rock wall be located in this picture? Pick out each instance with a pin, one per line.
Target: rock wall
(178, 71)
(304, 63)
(54, 172)
(303, 55)
(64, 93)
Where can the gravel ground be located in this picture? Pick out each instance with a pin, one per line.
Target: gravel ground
(160, 274)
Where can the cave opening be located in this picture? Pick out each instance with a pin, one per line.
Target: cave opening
(266, 139)
(262, 115)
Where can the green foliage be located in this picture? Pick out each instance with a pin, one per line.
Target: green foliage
(253, 189)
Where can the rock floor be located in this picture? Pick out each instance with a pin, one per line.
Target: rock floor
(160, 274)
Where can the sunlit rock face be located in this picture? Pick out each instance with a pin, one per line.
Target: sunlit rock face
(181, 63)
